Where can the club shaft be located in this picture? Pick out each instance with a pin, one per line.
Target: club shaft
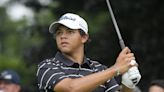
(121, 41)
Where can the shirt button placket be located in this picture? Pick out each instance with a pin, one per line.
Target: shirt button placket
(79, 69)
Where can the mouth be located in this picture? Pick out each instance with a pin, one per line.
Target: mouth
(63, 44)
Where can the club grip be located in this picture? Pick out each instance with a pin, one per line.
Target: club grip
(122, 44)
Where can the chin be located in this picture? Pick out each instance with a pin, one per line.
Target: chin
(65, 50)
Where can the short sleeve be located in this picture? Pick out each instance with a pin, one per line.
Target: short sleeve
(48, 75)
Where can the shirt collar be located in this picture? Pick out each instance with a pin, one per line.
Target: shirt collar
(69, 62)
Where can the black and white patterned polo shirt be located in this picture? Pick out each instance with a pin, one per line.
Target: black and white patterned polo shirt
(51, 71)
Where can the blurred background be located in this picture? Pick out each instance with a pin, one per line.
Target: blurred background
(25, 40)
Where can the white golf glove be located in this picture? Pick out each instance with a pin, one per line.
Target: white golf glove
(131, 78)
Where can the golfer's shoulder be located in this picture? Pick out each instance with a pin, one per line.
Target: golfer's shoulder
(98, 65)
(51, 62)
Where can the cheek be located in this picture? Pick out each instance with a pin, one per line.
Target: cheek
(13, 88)
(9, 88)
(57, 41)
(77, 42)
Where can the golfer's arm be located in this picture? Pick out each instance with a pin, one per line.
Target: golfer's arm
(86, 83)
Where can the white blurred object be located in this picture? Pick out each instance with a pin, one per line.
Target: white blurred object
(18, 11)
(1, 91)
(3, 2)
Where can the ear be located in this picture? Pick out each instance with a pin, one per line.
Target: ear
(85, 38)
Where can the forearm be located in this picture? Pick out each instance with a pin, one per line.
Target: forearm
(87, 83)
(90, 82)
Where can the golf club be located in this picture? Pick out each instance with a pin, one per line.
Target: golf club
(122, 44)
(121, 41)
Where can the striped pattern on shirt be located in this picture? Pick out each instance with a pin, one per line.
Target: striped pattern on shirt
(51, 71)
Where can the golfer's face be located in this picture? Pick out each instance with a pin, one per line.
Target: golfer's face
(8, 87)
(68, 40)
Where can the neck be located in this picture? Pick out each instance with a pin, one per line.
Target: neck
(77, 56)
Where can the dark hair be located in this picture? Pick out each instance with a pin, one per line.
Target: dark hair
(82, 33)
(159, 83)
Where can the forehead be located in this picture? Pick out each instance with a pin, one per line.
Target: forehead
(5, 82)
(62, 28)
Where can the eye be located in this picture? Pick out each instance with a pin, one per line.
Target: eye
(71, 31)
(58, 32)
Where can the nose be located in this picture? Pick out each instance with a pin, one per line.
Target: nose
(64, 35)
